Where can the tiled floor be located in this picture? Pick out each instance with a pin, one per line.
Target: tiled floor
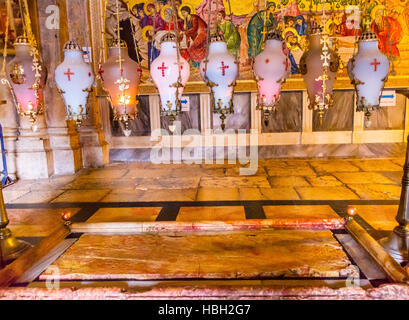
(276, 180)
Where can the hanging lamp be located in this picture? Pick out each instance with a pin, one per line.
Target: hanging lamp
(368, 70)
(319, 66)
(271, 69)
(27, 76)
(74, 79)
(120, 77)
(220, 71)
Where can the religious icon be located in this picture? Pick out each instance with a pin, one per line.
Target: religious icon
(17, 74)
(388, 31)
(260, 24)
(15, 24)
(229, 32)
(301, 26)
(195, 30)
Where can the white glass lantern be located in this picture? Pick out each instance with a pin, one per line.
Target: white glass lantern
(27, 76)
(368, 71)
(319, 66)
(170, 73)
(220, 71)
(120, 76)
(271, 68)
(74, 78)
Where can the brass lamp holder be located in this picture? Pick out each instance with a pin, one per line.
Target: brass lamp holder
(10, 247)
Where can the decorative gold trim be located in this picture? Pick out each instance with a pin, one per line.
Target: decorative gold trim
(292, 84)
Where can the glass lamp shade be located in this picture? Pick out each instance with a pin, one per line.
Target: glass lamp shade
(165, 72)
(74, 78)
(122, 87)
(368, 71)
(27, 76)
(220, 71)
(312, 69)
(271, 68)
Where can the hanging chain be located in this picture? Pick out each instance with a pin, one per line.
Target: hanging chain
(3, 76)
(388, 27)
(118, 34)
(133, 32)
(264, 24)
(207, 42)
(103, 39)
(6, 39)
(176, 27)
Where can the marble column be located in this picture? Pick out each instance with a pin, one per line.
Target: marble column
(95, 150)
(63, 138)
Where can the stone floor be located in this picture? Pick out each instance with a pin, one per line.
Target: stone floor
(296, 205)
(274, 180)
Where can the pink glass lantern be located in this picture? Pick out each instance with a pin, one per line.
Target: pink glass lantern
(271, 68)
(74, 78)
(120, 77)
(170, 73)
(368, 71)
(27, 76)
(319, 68)
(220, 71)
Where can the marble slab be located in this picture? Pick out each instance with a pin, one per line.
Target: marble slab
(287, 118)
(369, 150)
(140, 126)
(188, 119)
(241, 117)
(36, 222)
(379, 217)
(389, 118)
(125, 215)
(190, 291)
(340, 116)
(232, 255)
(211, 214)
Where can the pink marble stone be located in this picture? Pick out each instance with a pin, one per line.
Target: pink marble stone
(228, 255)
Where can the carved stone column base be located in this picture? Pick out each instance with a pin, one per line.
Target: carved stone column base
(34, 157)
(95, 150)
(66, 150)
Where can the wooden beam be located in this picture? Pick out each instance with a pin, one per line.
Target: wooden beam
(393, 269)
(11, 273)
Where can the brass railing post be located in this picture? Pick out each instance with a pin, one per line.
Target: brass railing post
(10, 247)
(397, 243)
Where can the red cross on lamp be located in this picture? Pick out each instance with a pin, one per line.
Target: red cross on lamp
(368, 71)
(220, 71)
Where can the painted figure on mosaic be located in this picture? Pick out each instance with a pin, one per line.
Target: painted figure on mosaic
(292, 38)
(260, 24)
(195, 30)
(388, 30)
(230, 33)
(203, 10)
(301, 25)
